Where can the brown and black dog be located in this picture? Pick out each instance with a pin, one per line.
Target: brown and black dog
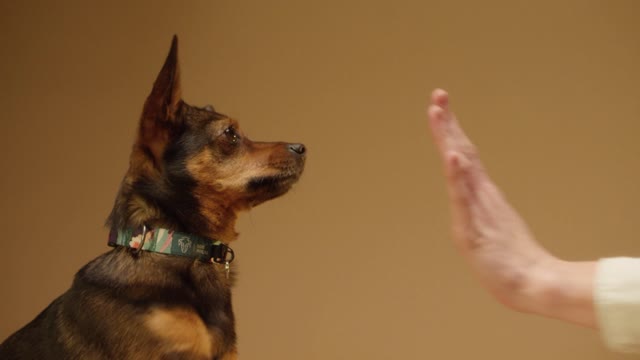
(163, 292)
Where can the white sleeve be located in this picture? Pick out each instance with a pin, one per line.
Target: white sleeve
(617, 302)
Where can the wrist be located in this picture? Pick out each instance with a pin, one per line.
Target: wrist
(563, 290)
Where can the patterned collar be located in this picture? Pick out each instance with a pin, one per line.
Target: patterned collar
(171, 242)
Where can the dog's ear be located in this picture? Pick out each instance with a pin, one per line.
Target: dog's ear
(159, 116)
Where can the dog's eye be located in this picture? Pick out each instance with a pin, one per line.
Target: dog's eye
(231, 134)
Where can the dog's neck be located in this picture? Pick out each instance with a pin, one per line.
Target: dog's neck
(133, 209)
(171, 242)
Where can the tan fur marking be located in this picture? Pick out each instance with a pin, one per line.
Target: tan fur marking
(230, 356)
(232, 175)
(140, 210)
(221, 183)
(181, 330)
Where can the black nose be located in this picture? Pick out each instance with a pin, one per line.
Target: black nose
(297, 148)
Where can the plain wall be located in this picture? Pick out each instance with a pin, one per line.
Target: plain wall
(356, 262)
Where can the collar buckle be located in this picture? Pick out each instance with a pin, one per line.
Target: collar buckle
(221, 253)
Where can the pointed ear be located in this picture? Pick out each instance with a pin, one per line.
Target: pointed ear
(162, 103)
(160, 109)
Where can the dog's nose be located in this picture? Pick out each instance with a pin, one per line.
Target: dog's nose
(297, 148)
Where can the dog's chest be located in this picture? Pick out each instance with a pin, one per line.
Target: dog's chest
(181, 330)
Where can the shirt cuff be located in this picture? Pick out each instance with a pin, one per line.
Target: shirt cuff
(617, 302)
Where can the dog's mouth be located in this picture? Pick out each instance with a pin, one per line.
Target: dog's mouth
(265, 188)
(274, 183)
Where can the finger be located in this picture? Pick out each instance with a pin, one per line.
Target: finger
(446, 126)
(439, 102)
(474, 196)
(438, 131)
(471, 215)
(458, 171)
(446, 131)
(462, 198)
(440, 97)
(459, 139)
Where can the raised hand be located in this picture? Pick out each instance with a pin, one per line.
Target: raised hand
(495, 240)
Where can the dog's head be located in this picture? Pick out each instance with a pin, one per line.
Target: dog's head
(193, 168)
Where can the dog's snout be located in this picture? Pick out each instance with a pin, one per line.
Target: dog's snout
(297, 148)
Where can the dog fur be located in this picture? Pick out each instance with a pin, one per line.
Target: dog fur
(191, 170)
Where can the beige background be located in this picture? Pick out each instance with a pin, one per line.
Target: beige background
(355, 263)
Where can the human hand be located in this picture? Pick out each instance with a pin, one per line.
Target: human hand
(495, 240)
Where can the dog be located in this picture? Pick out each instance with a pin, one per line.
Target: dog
(164, 290)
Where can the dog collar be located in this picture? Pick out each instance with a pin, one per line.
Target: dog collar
(171, 242)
